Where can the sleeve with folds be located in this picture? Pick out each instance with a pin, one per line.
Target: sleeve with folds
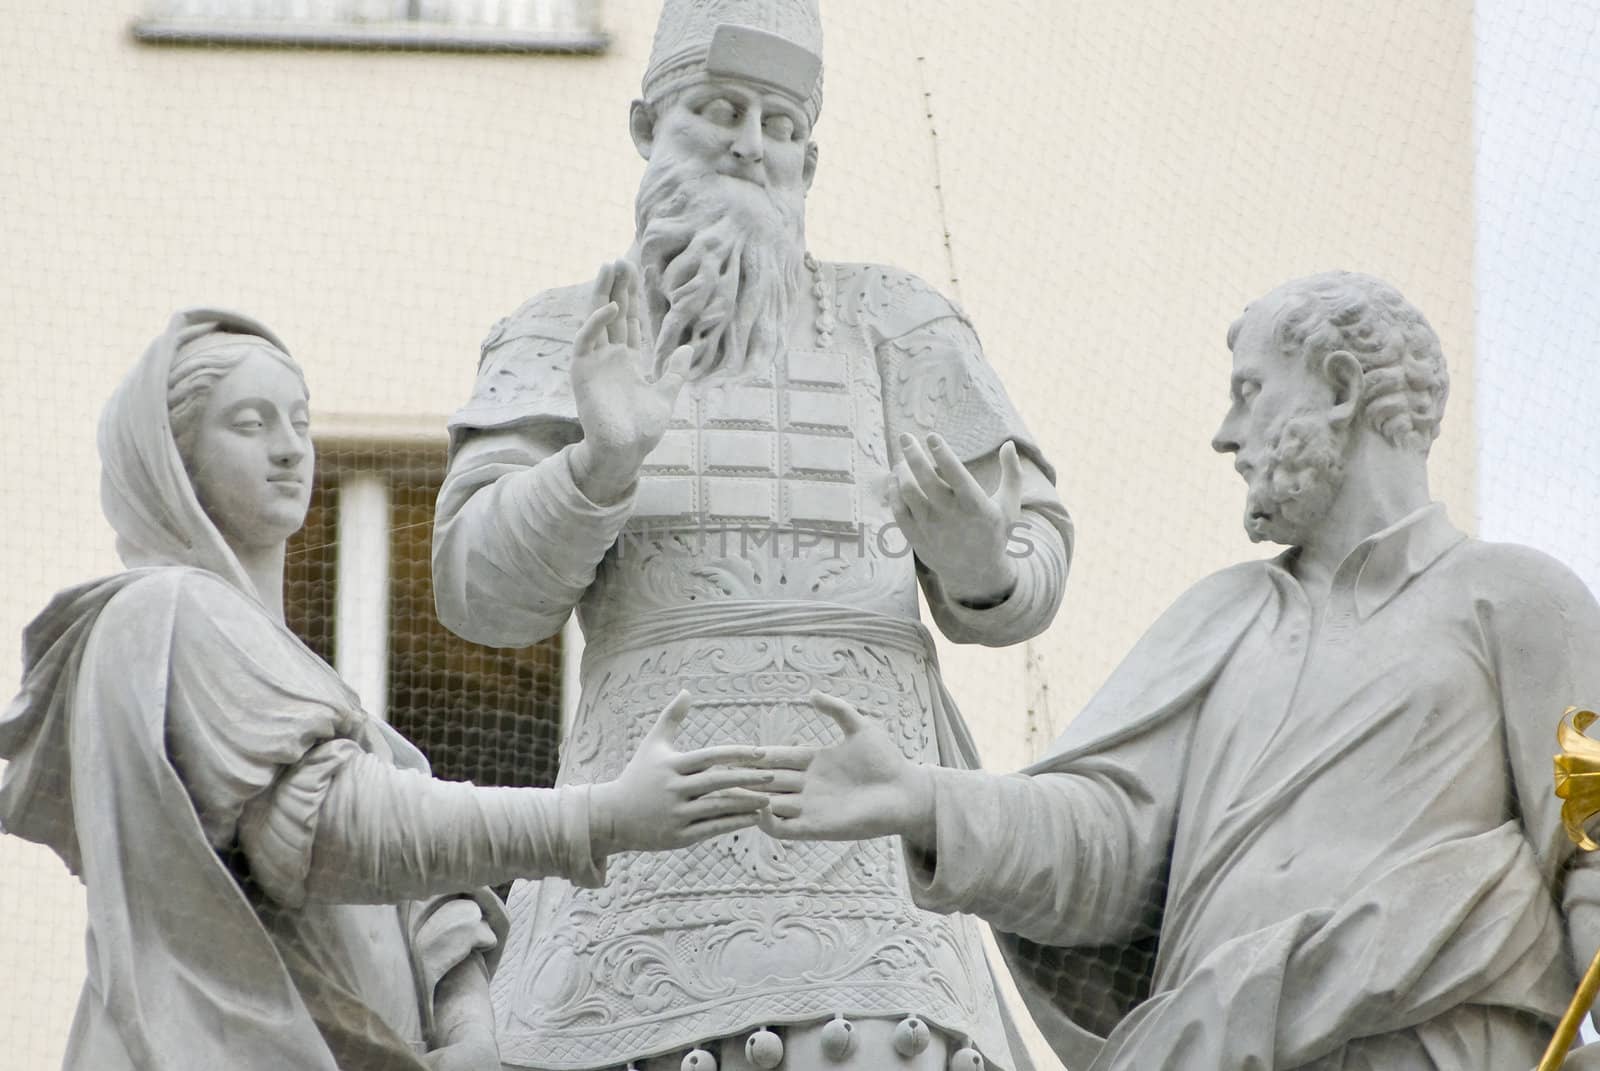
(275, 750)
(935, 379)
(346, 827)
(1543, 628)
(517, 543)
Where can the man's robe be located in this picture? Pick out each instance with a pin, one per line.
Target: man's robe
(1322, 842)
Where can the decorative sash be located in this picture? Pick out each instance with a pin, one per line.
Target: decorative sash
(850, 624)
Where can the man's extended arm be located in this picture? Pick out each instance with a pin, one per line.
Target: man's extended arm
(1069, 858)
(1061, 859)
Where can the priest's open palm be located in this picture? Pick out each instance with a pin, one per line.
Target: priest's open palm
(623, 414)
(861, 787)
(956, 528)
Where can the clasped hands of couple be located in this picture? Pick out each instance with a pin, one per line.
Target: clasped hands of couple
(859, 788)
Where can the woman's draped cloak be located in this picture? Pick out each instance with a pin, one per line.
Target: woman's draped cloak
(175, 705)
(159, 709)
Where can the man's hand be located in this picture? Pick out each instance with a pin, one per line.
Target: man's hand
(623, 414)
(861, 787)
(956, 528)
(667, 798)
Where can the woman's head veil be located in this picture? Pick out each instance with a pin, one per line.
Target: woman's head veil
(144, 490)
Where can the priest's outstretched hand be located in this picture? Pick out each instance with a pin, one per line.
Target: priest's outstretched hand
(861, 787)
(957, 528)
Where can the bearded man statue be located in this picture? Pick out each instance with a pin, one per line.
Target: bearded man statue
(737, 463)
(1308, 822)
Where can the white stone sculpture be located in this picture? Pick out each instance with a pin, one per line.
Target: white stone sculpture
(1322, 781)
(254, 847)
(707, 453)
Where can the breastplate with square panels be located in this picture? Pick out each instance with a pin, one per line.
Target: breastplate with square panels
(770, 484)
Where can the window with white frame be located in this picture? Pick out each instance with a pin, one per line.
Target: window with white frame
(358, 590)
(488, 25)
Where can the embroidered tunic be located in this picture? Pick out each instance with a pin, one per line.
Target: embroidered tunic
(756, 561)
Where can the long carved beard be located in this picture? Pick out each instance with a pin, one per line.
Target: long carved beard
(723, 263)
(1291, 493)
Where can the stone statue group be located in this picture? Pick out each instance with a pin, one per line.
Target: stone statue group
(1307, 823)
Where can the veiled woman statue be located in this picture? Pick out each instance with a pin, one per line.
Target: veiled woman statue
(273, 880)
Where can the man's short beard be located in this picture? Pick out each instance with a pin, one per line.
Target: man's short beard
(723, 264)
(1292, 491)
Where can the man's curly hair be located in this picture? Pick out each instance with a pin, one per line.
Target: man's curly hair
(1405, 374)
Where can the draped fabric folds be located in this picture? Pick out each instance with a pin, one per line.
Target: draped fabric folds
(181, 970)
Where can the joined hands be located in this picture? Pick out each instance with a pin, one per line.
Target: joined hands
(666, 798)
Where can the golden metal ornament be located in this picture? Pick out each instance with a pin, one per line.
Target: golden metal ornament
(1578, 785)
(1578, 775)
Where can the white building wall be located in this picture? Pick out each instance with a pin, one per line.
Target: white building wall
(1537, 118)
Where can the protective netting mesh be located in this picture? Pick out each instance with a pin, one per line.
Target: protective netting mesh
(1102, 186)
(485, 715)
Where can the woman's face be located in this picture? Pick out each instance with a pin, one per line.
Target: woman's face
(251, 459)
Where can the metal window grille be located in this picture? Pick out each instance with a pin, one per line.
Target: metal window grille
(479, 714)
(468, 25)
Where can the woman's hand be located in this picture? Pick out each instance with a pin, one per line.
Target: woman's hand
(463, 1016)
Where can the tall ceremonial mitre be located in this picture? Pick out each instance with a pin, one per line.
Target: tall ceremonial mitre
(777, 43)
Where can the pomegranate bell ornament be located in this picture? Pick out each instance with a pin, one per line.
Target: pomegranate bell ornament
(967, 1059)
(911, 1037)
(764, 1049)
(838, 1038)
(699, 1060)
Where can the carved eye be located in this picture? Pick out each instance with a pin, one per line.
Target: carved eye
(721, 111)
(779, 127)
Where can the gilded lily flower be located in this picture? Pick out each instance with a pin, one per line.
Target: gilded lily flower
(1578, 775)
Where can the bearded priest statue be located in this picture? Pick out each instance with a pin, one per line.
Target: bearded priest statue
(737, 463)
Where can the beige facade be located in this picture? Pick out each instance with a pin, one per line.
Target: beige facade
(1103, 186)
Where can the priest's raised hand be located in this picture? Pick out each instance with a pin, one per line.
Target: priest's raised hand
(957, 528)
(623, 414)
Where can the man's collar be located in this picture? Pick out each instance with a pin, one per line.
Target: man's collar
(1383, 563)
(1386, 561)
